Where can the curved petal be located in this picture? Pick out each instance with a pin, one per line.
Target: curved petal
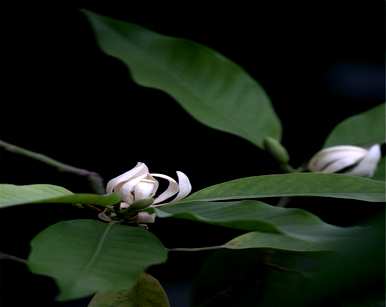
(369, 163)
(330, 155)
(127, 188)
(340, 164)
(145, 189)
(139, 169)
(184, 186)
(343, 148)
(171, 190)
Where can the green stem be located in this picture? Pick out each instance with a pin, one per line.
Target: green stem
(95, 179)
(288, 168)
(195, 249)
(284, 201)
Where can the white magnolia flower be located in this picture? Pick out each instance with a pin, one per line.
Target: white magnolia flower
(138, 184)
(357, 160)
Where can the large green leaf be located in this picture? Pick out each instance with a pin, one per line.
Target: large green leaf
(380, 172)
(214, 90)
(147, 292)
(87, 256)
(364, 129)
(299, 184)
(12, 195)
(272, 227)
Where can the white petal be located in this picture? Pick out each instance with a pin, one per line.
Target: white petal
(171, 190)
(184, 185)
(145, 217)
(343, 148)
(124, 205)
(145, 189)
(127, 188)
(340, 164)
(330, 155)
(369, 163)
(139, 169)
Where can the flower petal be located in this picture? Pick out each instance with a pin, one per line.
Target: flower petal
(145, 217)
(124, 205)
(184, 185)
(330, 155)
(340, 164)
(369, 163)
(139, 169)
(145, 189)
(171, 190)
(126, 189)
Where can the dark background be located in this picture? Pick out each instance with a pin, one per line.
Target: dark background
(62, 96)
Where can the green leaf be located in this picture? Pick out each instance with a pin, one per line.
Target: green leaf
(297, 184)
(147, 292)
(380, 172)
(278, 242)
(87, 256)
(12, 195)
(214, 90)
(272, 227)
(364, 129)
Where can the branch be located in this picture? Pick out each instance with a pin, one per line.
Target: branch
(95, 179)
(10, 257)
(195, 249)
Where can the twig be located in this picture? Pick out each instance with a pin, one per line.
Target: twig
(283, 202)
(195, 249)
(283, 269)
(10, 257)
(94, 178)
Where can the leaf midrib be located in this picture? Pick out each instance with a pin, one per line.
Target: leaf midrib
(95, 255)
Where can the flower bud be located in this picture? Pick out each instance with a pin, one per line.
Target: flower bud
(145, 188)
(350, 160)
(145, 217)
(277, 151)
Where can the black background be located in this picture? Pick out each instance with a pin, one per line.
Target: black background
(60, 95)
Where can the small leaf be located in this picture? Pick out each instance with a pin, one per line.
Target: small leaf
(214, 90)
(87, 256)
(298, 184)
(147, 292)
(12, 195)
(364, 129)
(272, 227)
(276, 241)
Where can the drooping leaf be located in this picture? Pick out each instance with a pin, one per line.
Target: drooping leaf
(214, 90)
(12, 195)
(277, 241)
(297, 184)
(270, 227)
(358, 264)
(380, 172)
(87, 256)
(364, 129)
(147, 292)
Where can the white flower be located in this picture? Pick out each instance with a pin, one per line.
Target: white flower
(138, 184)
(350, 160)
